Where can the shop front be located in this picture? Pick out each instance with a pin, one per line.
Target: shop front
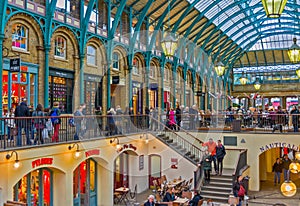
(93, 92)
(18, 86)
(35, 188)
(167, 99)
(153, 95)
(137, 97)
(61, 87)
(85, 183)
(121, 171)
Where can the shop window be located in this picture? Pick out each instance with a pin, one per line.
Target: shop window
(35, 188)
(116, 59)
(60, 47)
(91, 55)
(135, 67)
(152, 71)
(19, 36)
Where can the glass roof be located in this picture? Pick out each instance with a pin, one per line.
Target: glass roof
(249, 27)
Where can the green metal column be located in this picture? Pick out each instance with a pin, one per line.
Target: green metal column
(81, 78)
(108, 102)
(130, 97)
(162, 73)
(174, 70)
(46, 77)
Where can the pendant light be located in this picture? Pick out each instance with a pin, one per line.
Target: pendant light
(169, 42)
(243, 79)
(288, 188)
(294, 52)
(298, 72)
(257, 84)
(274, 8)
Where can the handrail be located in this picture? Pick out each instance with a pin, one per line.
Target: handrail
(239, 159)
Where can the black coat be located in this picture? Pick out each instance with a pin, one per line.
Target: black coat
(220, 151)
(22, 111)
(195, 200)
(148, 203)
(169, 197)
(277, 167)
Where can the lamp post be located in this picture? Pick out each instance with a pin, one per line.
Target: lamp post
(294, 52)
(274, 8)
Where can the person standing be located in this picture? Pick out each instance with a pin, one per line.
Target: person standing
(220, 154)
(10, 124)
(206, 164)
(79, 124)
(56, 121)
(178, 117)
(98, 113)
(39, 123)
(22, 123)
(239, 189)
(286, 164)
(277, 169)
(172, 122)
(211, 147)
(295, 118)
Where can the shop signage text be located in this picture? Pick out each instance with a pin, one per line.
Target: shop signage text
(127, 146)
(42, 161)
(92, 152)
(14, 64)
(278, 144)
(61, 74)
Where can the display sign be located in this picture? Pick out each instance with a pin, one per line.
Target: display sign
(14, 64)
(92, 152)
(92, 78)
(115, 79)
(42, 161)
(279, 144)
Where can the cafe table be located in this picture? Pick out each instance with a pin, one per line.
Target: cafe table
(123, 195)
(175, 182)
(181, 201)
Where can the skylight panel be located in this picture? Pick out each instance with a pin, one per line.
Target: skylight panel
(202, 5)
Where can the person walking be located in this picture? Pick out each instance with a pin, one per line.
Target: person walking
(22, 123)
(295, 118)
(239, 190)
(178, 117)
(79, 123)
(211, 147)
(220, 154)
(56, 121)
(286, 164)
(39, 123)
(277, 169)
(206, 164)
(99, 117)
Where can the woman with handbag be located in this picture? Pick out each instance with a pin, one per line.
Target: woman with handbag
(39, 123)
(11, 126)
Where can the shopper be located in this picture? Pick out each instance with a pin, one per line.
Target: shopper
(277, 169)
(79, 122)
(206, 164)
(239, 190)
(39, 123)
(56, 121)
(11, 126)
(220, 154)
(21, 113)
(286, 164)
(99, 117)
(211, 146)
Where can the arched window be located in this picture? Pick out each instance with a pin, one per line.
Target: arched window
(152, 70)
(19, 36)
(116, 61)
(91, 55)
(60, 46)
(136, 66)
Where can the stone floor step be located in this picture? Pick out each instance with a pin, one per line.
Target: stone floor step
(213, 192)
(216, 198)
(221, 184)
(221, 178)
(209, 187)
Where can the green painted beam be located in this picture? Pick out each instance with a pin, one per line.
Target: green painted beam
(117, 18)
(3, 7)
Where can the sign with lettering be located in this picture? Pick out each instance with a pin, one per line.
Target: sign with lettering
(127, 146)
(199, 94)
(279, 144)
(41, 162)
(14, 64)
(92, 152)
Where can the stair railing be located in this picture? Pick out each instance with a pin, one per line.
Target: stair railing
(241, 164)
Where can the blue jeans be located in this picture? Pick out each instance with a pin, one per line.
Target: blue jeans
(214, 158)
(286, 174)
(19, 137)
(277, 177)
(9, 133)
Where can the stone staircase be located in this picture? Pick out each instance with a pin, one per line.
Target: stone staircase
(183, 147)
(219, 187)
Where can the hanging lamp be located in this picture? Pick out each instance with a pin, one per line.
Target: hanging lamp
(294, 52)
(288, 188)
(169, 42)
(298, 72)
(243, 79)
(274, 8)
(219, 68)
(257, 84)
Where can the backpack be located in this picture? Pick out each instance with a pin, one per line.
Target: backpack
(242, 191)
(54, 116)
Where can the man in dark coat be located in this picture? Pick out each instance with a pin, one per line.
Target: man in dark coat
(277, 169)
(197, 197)
(22, 111)
(220, 154)
(150, 201)
(286, 165)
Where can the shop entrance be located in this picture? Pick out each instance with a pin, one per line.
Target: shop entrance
(85, 183)
(266, 161)
(121, 171)
(35, 188)
(154, 169)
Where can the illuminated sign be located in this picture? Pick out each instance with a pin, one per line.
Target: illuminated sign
(42, 161)
(278, 144)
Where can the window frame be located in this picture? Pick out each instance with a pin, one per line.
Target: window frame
(18, 36)
(91, 55)
(64, 48)
(116, 61)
